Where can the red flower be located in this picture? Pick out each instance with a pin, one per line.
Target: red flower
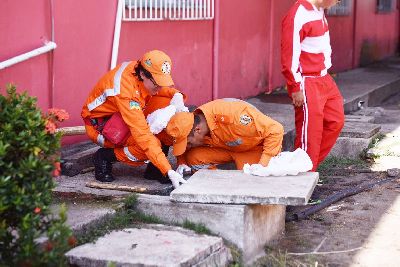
(72, 241)
(57, 170)
(37, 210)
(50, 127)
(59, 114)
(48, 246)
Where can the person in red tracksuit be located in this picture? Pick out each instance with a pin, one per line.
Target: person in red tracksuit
(306, 58)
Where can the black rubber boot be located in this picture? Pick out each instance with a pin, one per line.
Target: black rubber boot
(153, 173)
(102, 160)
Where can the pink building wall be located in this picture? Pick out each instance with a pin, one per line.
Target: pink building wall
(377, 33)
(31, 30)
(235, 55)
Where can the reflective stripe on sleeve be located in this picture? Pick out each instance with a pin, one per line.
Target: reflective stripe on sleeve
(111, 91)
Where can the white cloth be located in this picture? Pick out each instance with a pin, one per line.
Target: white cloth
(176, 178)
(177, 101)
(286, 163)
(159, 118)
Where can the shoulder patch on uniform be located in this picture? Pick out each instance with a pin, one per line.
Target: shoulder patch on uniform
(134, 105)
(245, 119)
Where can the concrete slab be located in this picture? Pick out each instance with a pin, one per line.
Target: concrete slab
(77, 157)
(349, 147)
(359, 130)
(236, 187)
(248, 227)
(359, 118)
(82, 215)
(155, 245)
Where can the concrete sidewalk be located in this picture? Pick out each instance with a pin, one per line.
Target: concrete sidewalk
(371, 85)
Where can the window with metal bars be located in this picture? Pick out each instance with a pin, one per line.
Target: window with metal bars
(341, 9)
(153, 10)
(384, 6)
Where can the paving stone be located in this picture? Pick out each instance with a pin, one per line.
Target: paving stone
(248, 227)
(74, 164)
(359, 118)
(393, 172)
(236, 187)
(359, 130)
(149, 245)
(82, 215)
(349, 147)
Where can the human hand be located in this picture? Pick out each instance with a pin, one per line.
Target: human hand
(176, 178)
(182, 169)
(177, 101)
(298, 98)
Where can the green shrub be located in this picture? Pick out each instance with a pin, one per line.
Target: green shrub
(28, 153)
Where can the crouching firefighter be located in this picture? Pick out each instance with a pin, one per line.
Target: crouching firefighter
(114, 118)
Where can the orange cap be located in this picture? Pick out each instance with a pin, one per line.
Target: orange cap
(159, 65)
(179, 128)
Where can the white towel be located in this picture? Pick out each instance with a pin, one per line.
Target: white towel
(285, 163)
(159, 118)
(177, 101)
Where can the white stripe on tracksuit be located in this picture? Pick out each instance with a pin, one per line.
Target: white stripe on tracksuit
(304, 132)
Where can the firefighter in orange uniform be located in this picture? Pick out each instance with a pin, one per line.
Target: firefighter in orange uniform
(222, 131)
(126, 89)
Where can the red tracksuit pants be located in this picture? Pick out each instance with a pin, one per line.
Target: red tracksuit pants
(321, 118)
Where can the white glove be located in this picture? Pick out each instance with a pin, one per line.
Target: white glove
(159, 118)
(177, 101)
(182, 169)
(176, 178)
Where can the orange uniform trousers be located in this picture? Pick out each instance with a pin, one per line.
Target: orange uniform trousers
(130, 153)
(321, 118)
(208, 157)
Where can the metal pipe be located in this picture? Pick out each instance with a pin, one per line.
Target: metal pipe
(36, 52)
(271, 45)
(335, 198)
(354, 64)
(117, 33)
(215, 63)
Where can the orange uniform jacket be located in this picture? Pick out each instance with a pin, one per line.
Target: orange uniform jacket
(238, 126)
(120, 91)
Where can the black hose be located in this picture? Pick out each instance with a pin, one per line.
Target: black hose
(334, 198)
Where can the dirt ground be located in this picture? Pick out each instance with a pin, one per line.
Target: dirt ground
(360, 230)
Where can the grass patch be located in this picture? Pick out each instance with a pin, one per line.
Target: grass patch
(328, 166)
(123, 218)
(198, 228)
(279, 258)
(374, 142)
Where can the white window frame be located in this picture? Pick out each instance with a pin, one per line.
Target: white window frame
(156, 10)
